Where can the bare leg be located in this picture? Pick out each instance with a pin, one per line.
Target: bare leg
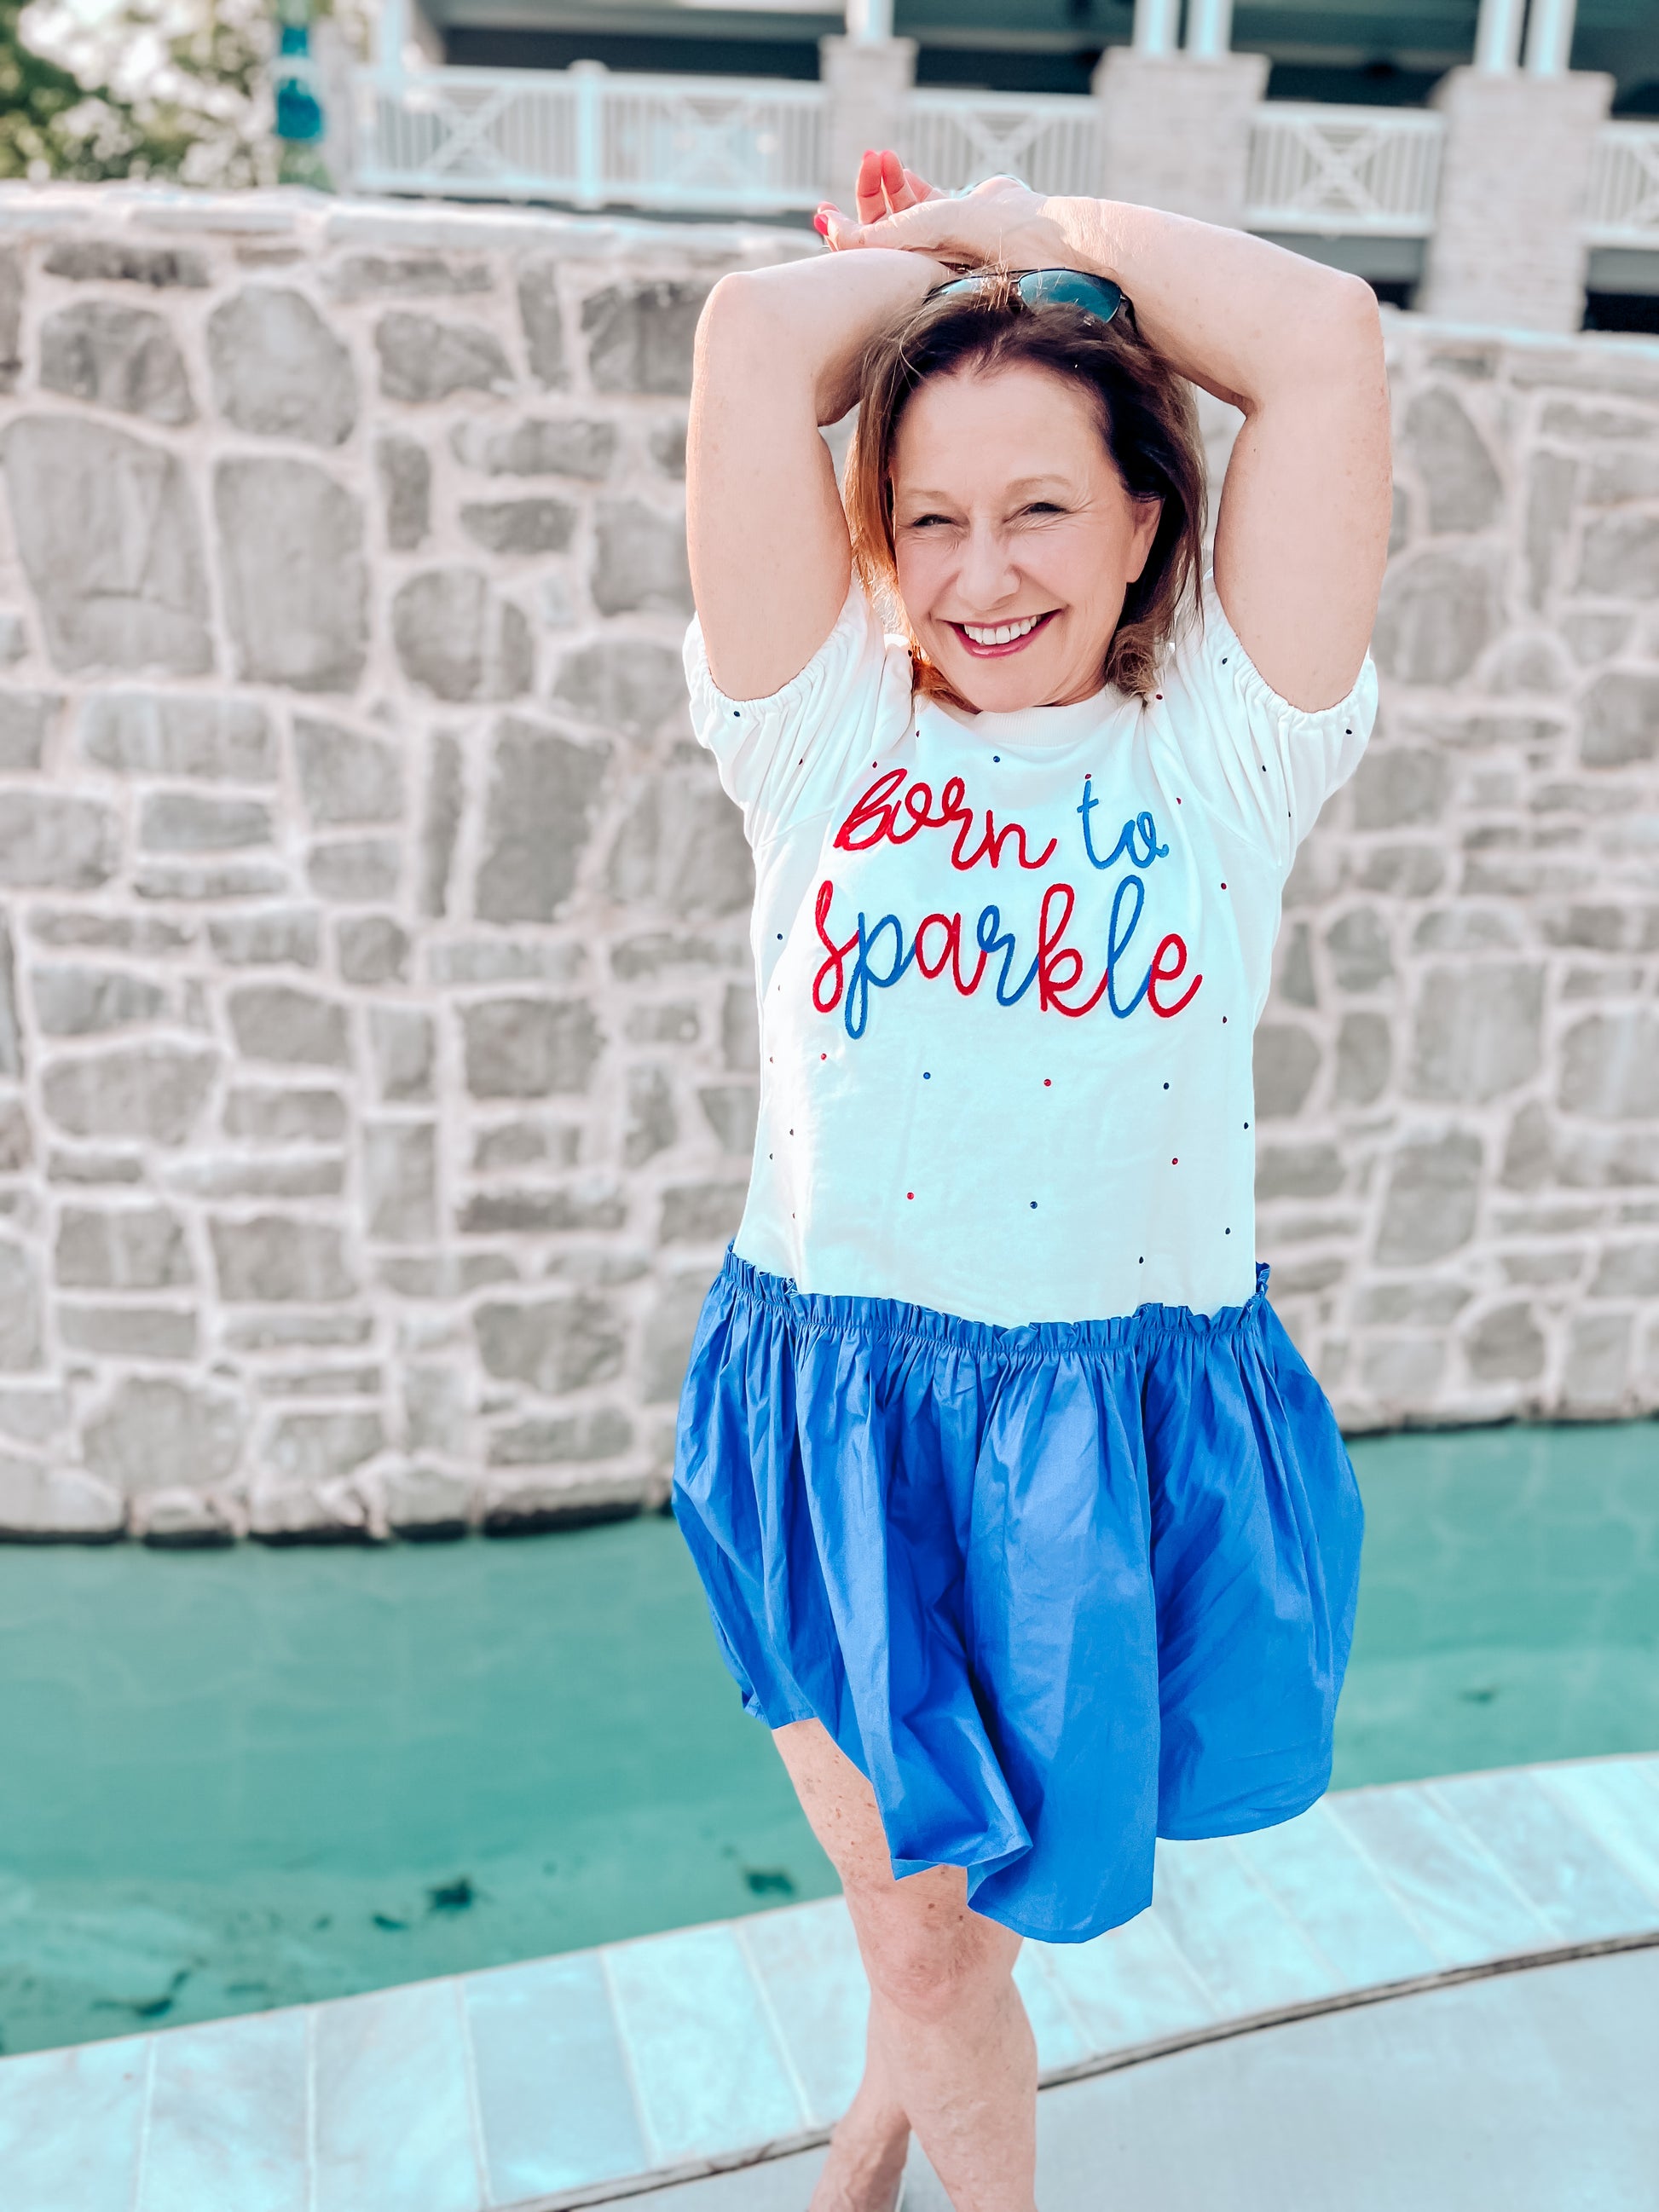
(949, 2051)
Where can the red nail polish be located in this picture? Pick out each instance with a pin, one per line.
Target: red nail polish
(821, 226)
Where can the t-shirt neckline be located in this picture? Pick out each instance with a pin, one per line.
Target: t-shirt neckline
(1038, 729)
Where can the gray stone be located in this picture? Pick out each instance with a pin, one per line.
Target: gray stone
(564, 447)
(639, 336)
(1505, 1345)
(670, 1325)
(401, 1043)
(112, 355)
(1627, 1271)
(40, 1499)
(1407, 871)
(188, 822)
(106, 532)
(400, 1187)
(19, 1310)
(372, 949)
(1528, 1149)
(543, 793)
(1610, 1066)
(125, 261)
(1478, 1031)
(274, 1260)
(330, 1382)
(405, 475)
(285, 1117)
(1286, 1063)
(1620, 557)
(651, 1126)
(409, 276)
(11, 1036)
(440, 826)
(639, 563)
(51, 840)
(1295, 981)
(346, 776)
(1395, 1305)
(276, 1331)
(1363, 1055)
(1297, 1171)
(278, 1022)
(33, 1413)
(673, 1024)
(288, 938)
(1597, 1364)
(554, 1345)
(457, 639)
(634, 685)
(149, 1090)
(11, 316)
(1433, 1190)
(1550, 484)
(519, 525)
(1404, 1370)
(325, 1510)
(1439, 613)
(241, 1178)
(1399, 785)
(128, 1332)
(525, 1047)
(171, 734)
(700, 1214)
(681, 847)
(544, 1213)
(542, 322)
(423, 360)
(81, 1001)
(26, 719)
(667, 446)
(296, 588)
(1358, 943)
(526, 1144)
(423, 1500)
(1596, 635)
(153, 1433)
(1399, 520)
(602, 1435)
(322, 1447)
(16, 1140)
(506, 960)
(1464, 489)
(657, 953)
(1620, 725)
(355, 871)
(278, 371)
(730, 1109)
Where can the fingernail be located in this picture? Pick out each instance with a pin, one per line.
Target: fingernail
(820, 224)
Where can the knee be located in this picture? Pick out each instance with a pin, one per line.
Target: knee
(930, 1975)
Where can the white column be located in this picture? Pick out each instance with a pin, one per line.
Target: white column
(1209, 27)
(1498, 34)
(391, 36)
(1549, 37)
(869, 21)
(1157, 25)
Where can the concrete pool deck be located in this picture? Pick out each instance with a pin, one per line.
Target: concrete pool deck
(1271, 1970)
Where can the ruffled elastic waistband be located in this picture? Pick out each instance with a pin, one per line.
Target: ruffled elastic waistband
(821, 1313)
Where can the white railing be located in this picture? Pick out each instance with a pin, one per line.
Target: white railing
(1622, 205)
(1343, 171)
(720, 145)
(1051, 140)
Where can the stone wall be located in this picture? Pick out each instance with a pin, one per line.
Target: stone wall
(377, 1048)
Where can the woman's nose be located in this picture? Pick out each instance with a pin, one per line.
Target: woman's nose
(987, 576)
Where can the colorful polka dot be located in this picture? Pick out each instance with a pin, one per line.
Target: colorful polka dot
(1048, 1083)
(1034, 1206)
(1224, 887)
(926, 1075)
(909, 1194)
(1175, 1162)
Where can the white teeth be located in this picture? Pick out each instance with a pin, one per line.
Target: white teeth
(1003, 634)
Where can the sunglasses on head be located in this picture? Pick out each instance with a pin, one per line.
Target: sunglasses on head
(1067, 287)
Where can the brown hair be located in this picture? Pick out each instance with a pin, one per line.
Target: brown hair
(1147, 417)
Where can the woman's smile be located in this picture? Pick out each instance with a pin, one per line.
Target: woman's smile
(993, 641)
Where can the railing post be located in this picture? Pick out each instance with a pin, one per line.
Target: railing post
(1498, 34)
(1176, 128)
(1508, 245)
(1549, 37)
(587, 83)
(866, 88)
(1157, 27)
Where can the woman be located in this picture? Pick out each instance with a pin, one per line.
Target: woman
(1023, 1525)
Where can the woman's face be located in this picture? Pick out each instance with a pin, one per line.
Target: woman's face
(1016, 537)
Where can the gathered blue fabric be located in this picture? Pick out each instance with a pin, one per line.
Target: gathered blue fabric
(1055, 1590)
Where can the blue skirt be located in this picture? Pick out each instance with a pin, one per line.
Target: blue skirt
(1055, 1590)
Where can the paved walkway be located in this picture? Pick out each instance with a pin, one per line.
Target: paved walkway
(642, 2064)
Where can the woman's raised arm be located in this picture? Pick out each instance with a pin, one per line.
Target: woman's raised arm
(1303, 530)
(777, 356)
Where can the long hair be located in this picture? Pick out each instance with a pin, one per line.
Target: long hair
(1148, 419)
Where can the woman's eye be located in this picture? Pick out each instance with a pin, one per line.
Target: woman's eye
(931, 522)
(1042, 506)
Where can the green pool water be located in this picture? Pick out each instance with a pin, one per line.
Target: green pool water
(240, 1778)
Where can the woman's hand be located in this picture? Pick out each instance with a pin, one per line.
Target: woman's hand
(999, 224)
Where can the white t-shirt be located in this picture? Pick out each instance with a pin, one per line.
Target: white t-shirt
(1009, 966)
